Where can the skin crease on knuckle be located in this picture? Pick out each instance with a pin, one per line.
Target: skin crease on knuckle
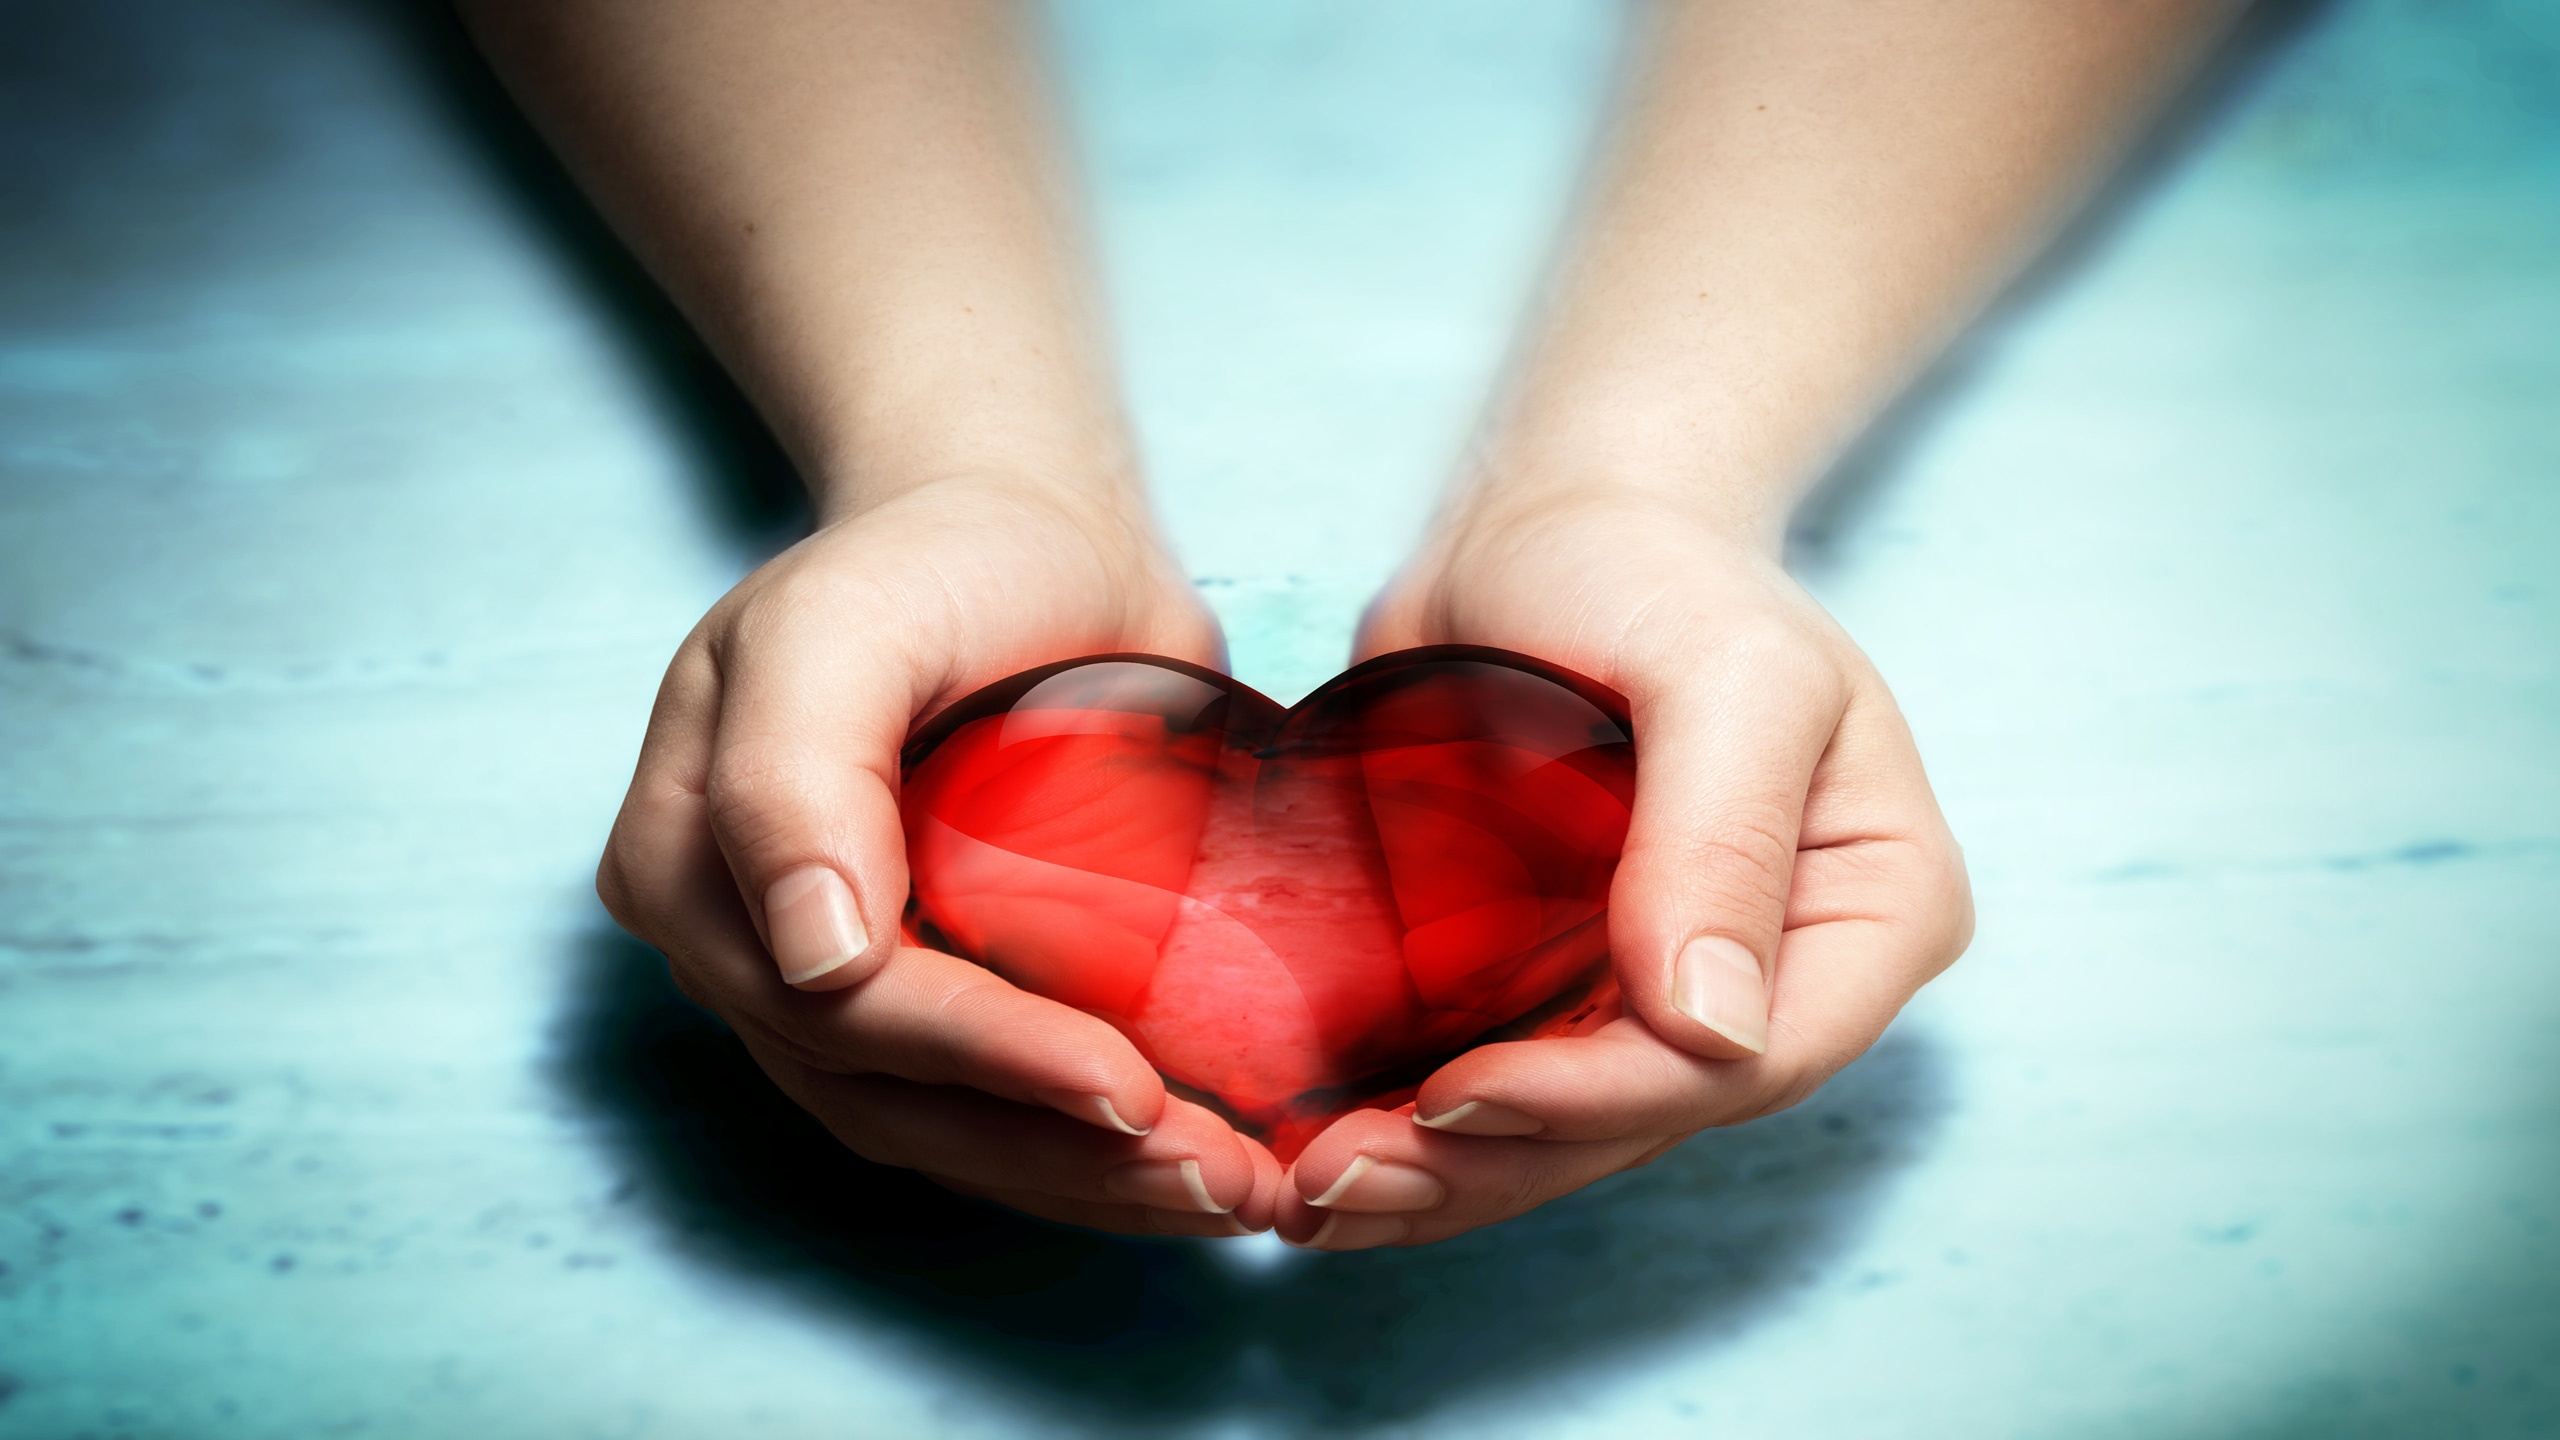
(1660, 1148)
(1918, 888)
(1487, 1195)
(1855, 863)
(1505, 1194)
(1738, 863)
(755, 794)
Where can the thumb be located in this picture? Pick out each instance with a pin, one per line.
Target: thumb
(803, 800)
(1700, 897)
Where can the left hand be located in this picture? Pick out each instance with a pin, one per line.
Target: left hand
(1787, 883)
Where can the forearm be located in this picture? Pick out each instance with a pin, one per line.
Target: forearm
(861, 206)
(1803, 201)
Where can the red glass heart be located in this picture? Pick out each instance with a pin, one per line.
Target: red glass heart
(1292, 913)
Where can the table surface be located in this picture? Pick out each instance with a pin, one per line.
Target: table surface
(356, 490)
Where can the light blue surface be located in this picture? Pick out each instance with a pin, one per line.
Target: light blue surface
(350, 505)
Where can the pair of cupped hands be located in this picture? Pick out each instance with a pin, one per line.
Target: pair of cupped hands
(1787, 881)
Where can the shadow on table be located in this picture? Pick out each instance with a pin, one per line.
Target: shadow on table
(1132, 1334)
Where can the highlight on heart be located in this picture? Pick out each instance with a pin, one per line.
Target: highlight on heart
(1293, 912)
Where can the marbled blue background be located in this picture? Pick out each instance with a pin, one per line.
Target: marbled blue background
(353, 491)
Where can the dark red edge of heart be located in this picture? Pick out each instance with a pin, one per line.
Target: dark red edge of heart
(1000, 696)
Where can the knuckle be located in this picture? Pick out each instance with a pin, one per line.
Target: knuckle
(973, 1003)
(1522, 1188)
(1774, 651)
(1758, 639)
(955, 1034)
(785, 1027)
(634, 905)
(1741, 858)
(1655, 1152)
(810, 606)
(1956, 902)
(613, 887)
(1559, 1174)
(754, 793)
(1941, 895)
(765, 618)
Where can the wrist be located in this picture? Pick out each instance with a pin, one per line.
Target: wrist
(1051, 433)
(1103, 515)
(1734, 511)
(1088, 495)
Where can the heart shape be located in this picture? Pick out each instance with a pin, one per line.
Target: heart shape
(1293, 912)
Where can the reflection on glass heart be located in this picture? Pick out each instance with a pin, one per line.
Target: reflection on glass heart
(1292, 913)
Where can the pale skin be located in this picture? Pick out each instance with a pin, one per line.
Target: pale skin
(863, 206)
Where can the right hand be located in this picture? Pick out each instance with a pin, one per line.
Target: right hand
(760, 848)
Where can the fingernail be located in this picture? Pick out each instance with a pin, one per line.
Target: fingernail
(1372, 1186)
(816, 927)
(1478, 1118)
(1166, 1185)
(1097, 1108)
(1718, 983)
(1355, 1232)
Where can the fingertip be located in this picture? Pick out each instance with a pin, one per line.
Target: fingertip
(1295, 1219)
(1261, 1205)
(1132, 1102)
(1112, 1119)
(1229, 1167)
(1268, 1170)
(1369, 1136)
(1138, 1103)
